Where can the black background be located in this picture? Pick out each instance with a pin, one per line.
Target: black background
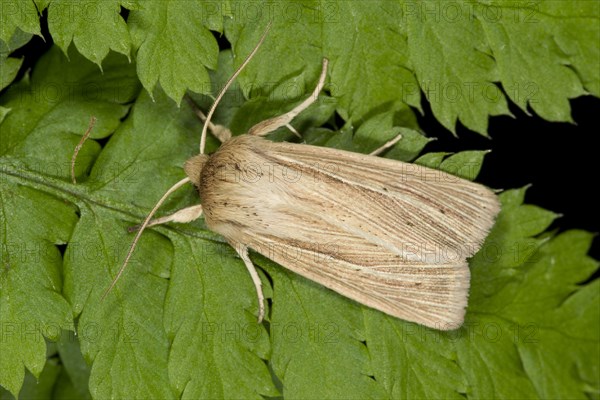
(559, 160)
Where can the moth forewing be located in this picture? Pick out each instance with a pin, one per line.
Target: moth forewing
(390, 235)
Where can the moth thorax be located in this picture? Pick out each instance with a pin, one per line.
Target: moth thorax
(193, 167)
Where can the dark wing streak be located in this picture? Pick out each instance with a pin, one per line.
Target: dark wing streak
(392, 227)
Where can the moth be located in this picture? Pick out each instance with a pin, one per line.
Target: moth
(391, 235)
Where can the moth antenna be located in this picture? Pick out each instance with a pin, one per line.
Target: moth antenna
(139, 233)
(229, 82)
(85, 137)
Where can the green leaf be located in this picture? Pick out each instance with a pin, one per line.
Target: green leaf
(3, 113)
(308, 32)
(62, 96)
(453, 68)
(95, 27)
(181, 320)
(32, 225)
(128, 333)
(174, 46)
(465, 164)
(202, 314)
(8, 70)
(73, 381)
(16, 14)
(9, 67)
(537, 70)
(412, 362)
(467, 58)
(311, 327)
(431, 160)
(40, 387)
(17, 40)
(121, 333)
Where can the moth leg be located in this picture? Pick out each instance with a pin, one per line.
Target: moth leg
(183, 216)
(243, 252)
(293, 130)
(267, 126)
(218, 131)
(386, 146)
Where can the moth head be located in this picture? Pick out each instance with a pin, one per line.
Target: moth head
(193, 167)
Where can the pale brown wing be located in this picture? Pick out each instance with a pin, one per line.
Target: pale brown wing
(428, 208)
(434, 295)
(391, 235)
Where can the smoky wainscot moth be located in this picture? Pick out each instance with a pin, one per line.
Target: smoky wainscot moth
(378, 211)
